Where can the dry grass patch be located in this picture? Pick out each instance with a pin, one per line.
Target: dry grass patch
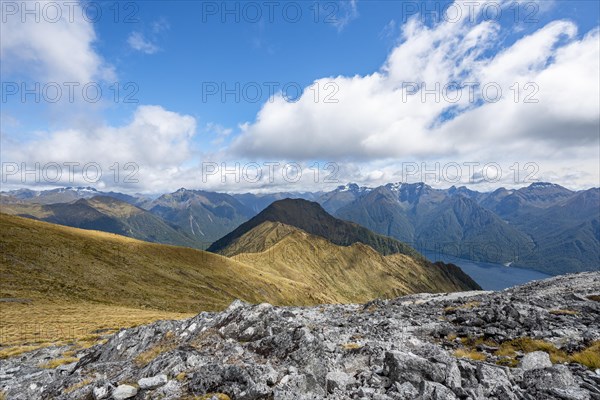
(563, 312)
(351, 346)
(167, 343)
(470, 354)
(528, 345)
(28, 327)
(57, 362)
(466, 306)
(79, 385)
(589, 357)
(220, 396)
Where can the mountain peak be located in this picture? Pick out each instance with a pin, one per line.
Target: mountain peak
(312, 218)
(352, 187)
(547, 186)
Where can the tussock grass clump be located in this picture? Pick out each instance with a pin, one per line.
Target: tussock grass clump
(589, 357)
(508, 362)
(563, 312)
(167, 343)
(79, 385)
(57, 362)
(352, 346)
(528, 345)
(508, 351)
(180, 376)
(470, 354)
(208, 396)
(466, 306)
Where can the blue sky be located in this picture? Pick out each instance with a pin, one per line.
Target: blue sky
(172, 50)
(197, 46)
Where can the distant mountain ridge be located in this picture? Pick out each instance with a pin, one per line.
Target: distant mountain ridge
(203, 216)
(543, 226)
(107, 214)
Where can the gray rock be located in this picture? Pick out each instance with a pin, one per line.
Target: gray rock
(406, 390)
(338, 380)
(409, 367)
(535, 360)
(102, 390)
(153, 382)
(401, 350)
(123, 392)
(435, 391)
(570, 394)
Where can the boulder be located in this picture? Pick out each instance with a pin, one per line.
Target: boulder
(153, 382)
(535, 360)
(123, 392)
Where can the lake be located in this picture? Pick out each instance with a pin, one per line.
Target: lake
(490, 276)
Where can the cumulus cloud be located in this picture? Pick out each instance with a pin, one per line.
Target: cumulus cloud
(57, 47)
(157, 142)
(547, 112)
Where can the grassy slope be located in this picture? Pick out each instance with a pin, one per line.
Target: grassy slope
(62, 285)
(355, 273)
(104, 214)
(53, 263)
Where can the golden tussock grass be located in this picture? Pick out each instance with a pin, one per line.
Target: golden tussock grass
(466, 306)
(27, 327)
(563, 312)
(470, 354)
(351, 346)
(78, 385)
(167, 343)
(589, 357)
(58, 362)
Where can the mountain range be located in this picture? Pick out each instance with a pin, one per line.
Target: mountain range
(543, 226)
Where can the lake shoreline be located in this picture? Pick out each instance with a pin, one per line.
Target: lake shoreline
(490, 276)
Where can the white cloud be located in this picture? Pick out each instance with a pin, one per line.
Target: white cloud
(137, 41)
(346, 12)
(375, 121)
(156, 140)
(52, 51)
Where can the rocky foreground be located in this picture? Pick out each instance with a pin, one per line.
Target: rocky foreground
(538, 341)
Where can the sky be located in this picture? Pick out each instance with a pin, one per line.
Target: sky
(151, 96)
